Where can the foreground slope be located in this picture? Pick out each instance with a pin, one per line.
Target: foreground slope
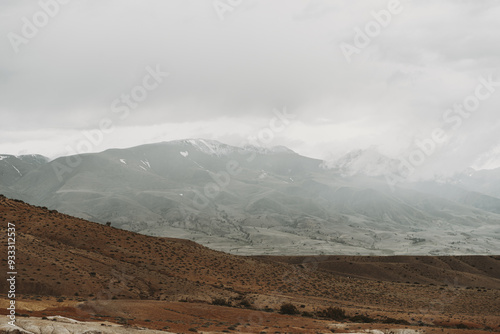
(97, 271)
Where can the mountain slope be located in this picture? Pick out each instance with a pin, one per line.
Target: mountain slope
(457, 194)
(260, 201)
(482, 181)
(12, 168)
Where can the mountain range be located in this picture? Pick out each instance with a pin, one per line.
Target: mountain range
(253, 200)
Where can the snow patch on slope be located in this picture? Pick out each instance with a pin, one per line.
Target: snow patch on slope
(17, 170)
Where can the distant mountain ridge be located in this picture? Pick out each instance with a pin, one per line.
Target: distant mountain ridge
(12, 167)
(251, 200)
(214, 147)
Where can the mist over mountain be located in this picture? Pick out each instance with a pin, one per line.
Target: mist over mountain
(369, 162)
(254, 200)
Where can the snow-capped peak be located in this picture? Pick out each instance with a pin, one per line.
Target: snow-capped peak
(211, 147)
(267, 150)
(214, 147)
(368, 162)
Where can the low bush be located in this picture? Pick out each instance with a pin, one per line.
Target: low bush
(289, 308)
(245, 303)
(362, 318)
(221, 302)
(395, 321)
(333, 313)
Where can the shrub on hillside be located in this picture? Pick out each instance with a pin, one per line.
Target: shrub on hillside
(362, 318)
(221, 302)
(395, 321)
(245, 303)
(307, 314)
(289, 308)
(333, 313)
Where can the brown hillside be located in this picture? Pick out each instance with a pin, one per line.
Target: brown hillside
(465, 271)
(81, 264)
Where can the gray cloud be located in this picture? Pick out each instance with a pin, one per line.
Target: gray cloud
(230, 74)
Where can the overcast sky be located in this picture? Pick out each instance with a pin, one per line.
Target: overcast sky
(230, 64)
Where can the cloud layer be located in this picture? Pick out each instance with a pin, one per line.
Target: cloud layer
(226, 76)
